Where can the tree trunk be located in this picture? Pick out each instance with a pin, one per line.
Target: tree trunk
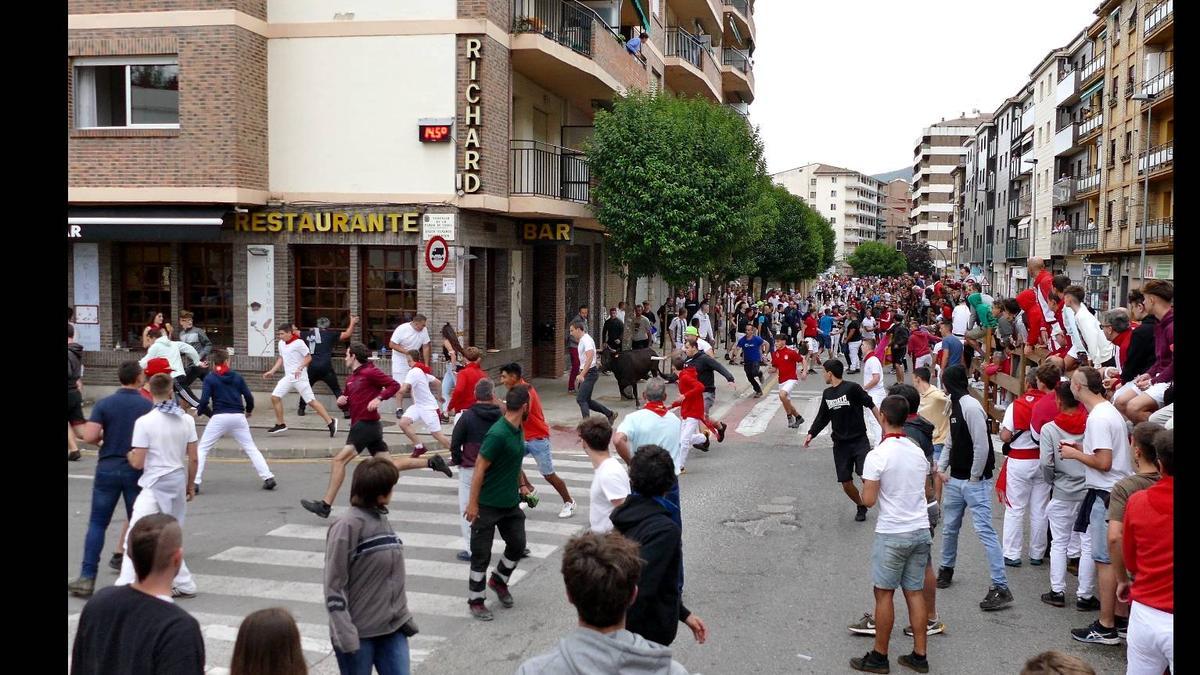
(630, 313)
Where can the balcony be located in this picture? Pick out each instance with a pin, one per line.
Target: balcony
(1027, 119)
(1017, 249)
(708, 13)
(1159, 233)
(1020, 206)
(1067, 91)
(549, 180)
(1161, 160)
(1159, 25)
(737, 73)
(1064, 192)
(1068, 140)
(1084, 240)
(691, 68)
(739, 108)
(1060, 244)
(740, 12)
(565, 48)
(1091, 71)
(1087, 184)
(1161, 87)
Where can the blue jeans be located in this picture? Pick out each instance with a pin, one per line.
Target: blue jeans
(448, 380)
(112, 482)
(388, 653)
(937, 451)
(957, 496)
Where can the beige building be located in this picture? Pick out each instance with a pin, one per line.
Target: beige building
(935, 154)
(897, 204)
(852, 202)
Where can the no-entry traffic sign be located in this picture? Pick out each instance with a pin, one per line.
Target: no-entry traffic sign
(437, 254)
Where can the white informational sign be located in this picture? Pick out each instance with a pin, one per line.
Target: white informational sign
(260, 299)
(516, 276)
(86, 260)
(87, 315)
(449, 286)
(438, 225)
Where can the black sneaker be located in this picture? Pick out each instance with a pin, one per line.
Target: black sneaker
(526, 553)
(998, 597)
(316, 506)
(1122, 626)
(501, 589)
(791, 420)
(333, 427)
(195, 488)
(479, 610)
(269, 484)
(917, 663)
(399, 414)
(861, 515)
(1037, 562)
(438, 463)
(872, 662)
(177, 592)
(301, 411)
(612, 418)
(721, 426)
(277, 429)
(702, 447)
(74, 456)
(1091, 604)
(115, 561)
(1055, 599)
(1012, 562)
(463, 556)
(1097, 634)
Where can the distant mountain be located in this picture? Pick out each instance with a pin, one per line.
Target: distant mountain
(905, 173)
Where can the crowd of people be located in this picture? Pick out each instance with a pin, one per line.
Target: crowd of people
(1087, 463)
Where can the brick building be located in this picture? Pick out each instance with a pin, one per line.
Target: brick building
(258, 161)
(897, 203)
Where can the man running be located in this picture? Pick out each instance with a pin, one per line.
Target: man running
(366, 388)
(873, 384)
(784, 360)
(407, 337)
(294, 357)
(537, 436)
(845, 405)
(162, 346)
(231, 406)
(589, 373)
(750, 346)
(705, 364)
(322, 342)
(199, 340)
(418, 383)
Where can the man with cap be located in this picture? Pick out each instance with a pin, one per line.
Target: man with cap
(321, 342)
(702, 344)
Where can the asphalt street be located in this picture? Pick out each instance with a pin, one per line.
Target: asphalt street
(775, 564)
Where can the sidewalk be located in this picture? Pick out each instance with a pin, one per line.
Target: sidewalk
(308, 438)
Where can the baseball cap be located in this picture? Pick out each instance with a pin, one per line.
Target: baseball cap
(692, 330)
(157, 365)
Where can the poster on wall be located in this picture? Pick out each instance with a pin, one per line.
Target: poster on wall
(260, 300)
(515, 281)
(86, 261)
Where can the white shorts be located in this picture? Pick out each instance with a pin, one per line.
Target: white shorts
(1128, 386)
(1157, 391)
(926, 361)
(428, 417)
(288, 384)
(788, 386)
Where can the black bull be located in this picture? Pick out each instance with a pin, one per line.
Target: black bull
(629, 367)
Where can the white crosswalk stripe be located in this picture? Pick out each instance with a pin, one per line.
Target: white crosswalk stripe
(452, 570)
(564, 528)
(410, 539)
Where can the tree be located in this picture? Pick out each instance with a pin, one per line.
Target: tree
(874, 258)
(918, 255)
(674, 187)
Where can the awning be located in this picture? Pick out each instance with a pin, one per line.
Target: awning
(145, 223)
(645, 18)
(1023, 222)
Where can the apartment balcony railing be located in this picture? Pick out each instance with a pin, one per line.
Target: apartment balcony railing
(1128, 88)
(1020, 205)
(684, 45)
(1090, 70)
(742, 6)
(736, 58)
(739, 108)
(1060, 244)
(1158, 17)
(1157, 231)
(1017, 248)
(1160, 157)
(1159, 86)
(1085, 240)
(1064, 192)
(547, 170)
(567, 23)
(1087, 183)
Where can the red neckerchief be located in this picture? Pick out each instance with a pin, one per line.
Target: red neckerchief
(424, 368)
(221, 368)
(291, 338)
(657, 407)
(887, 436)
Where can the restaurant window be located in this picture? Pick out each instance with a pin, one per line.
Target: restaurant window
(389, 291)
(322, 285)
(208, 289)
(145, 288)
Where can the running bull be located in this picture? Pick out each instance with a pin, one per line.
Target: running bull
(630, 367)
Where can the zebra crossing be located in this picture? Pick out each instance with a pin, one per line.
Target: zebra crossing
(284, 566)
(755, 422)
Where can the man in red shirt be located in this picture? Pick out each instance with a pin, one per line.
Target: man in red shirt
(365, 389)
(1149, 547)
(918, 344)
(537, 437)
(810, 325)
(463, 396)
(784, 360)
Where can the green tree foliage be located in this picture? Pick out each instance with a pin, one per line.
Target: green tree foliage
(919, 257)
(875, 258)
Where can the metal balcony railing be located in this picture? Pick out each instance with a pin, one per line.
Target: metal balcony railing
(1158, 16)
(1159, 84)
(684, 45)
(567, 23)
(1160, 157)
(742, 6)
(1017, 248)
(1064, 191)
(736, 58)
(1085, 240)
(1090, 69)
(1060, 244)
(1087, 183)
(1158, 231)
(551, 171)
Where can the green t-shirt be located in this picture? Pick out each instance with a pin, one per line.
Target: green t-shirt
(983, 311)
(504, 447)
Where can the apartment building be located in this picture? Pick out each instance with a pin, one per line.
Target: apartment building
(935, 154)
(897, 203)
(262, 161)
(851, 201)
(978, 225)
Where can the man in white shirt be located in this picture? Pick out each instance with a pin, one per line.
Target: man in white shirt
(164, 347)
(961, 318)
(1026, 490)
(407, 337)
(420, 384)
(164, 448)
(1106, 458)
(294, 358)
(610, 480)
(585, 382)
(1096, 345)
(705, 327)
(894, 478)
(873, 383)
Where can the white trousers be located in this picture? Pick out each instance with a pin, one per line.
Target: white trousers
(1150, 645)
(236, 425)
(689, 433)
(874, 431)
(855, 347)
(1027, 492)
(1068, 544)
(465, 476)
(168, 495)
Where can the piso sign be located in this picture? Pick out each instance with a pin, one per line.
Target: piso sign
(332, 222)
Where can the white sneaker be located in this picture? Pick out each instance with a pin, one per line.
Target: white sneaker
(568, 510)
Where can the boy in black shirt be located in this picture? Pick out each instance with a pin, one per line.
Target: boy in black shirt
(842, 404)
(321, 342)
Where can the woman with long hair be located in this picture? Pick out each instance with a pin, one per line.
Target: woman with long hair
(452, 354)
(154, 320)
(268, 643)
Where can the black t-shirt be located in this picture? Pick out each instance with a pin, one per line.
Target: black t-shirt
(322, 352)
(843, 405)
(742, 322)
(692, 307)
(853, 331)
(123, 630)
(900, 337)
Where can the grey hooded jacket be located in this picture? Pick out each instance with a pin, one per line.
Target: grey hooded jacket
(1065, 476)
(588, 652)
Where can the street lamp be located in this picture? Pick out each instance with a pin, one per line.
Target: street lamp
(1032, 207)
(1146, 197)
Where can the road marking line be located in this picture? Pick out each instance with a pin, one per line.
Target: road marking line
(314, 593)
(423, 482)
(567, 463)
(414, 539)
(79, 477)
(757, 420)
(455, 571)
(565, 529)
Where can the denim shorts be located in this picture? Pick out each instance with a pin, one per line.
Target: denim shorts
(539, 449)
(899, 560)
(1098, 531)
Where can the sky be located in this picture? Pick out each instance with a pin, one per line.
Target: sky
(852, 82)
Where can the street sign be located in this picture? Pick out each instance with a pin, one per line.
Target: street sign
(438, 225)
(437, 254)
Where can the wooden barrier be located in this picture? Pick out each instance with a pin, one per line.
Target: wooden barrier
(1013, 384)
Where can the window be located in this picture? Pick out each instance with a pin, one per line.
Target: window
(833, 207)
(833, 194)
(812, 181)
(127, 92)
(388, 279)
(208, 289)
(322, 284)
(812, 195)
(145, 288)
(832, 220)
(1128, 142)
